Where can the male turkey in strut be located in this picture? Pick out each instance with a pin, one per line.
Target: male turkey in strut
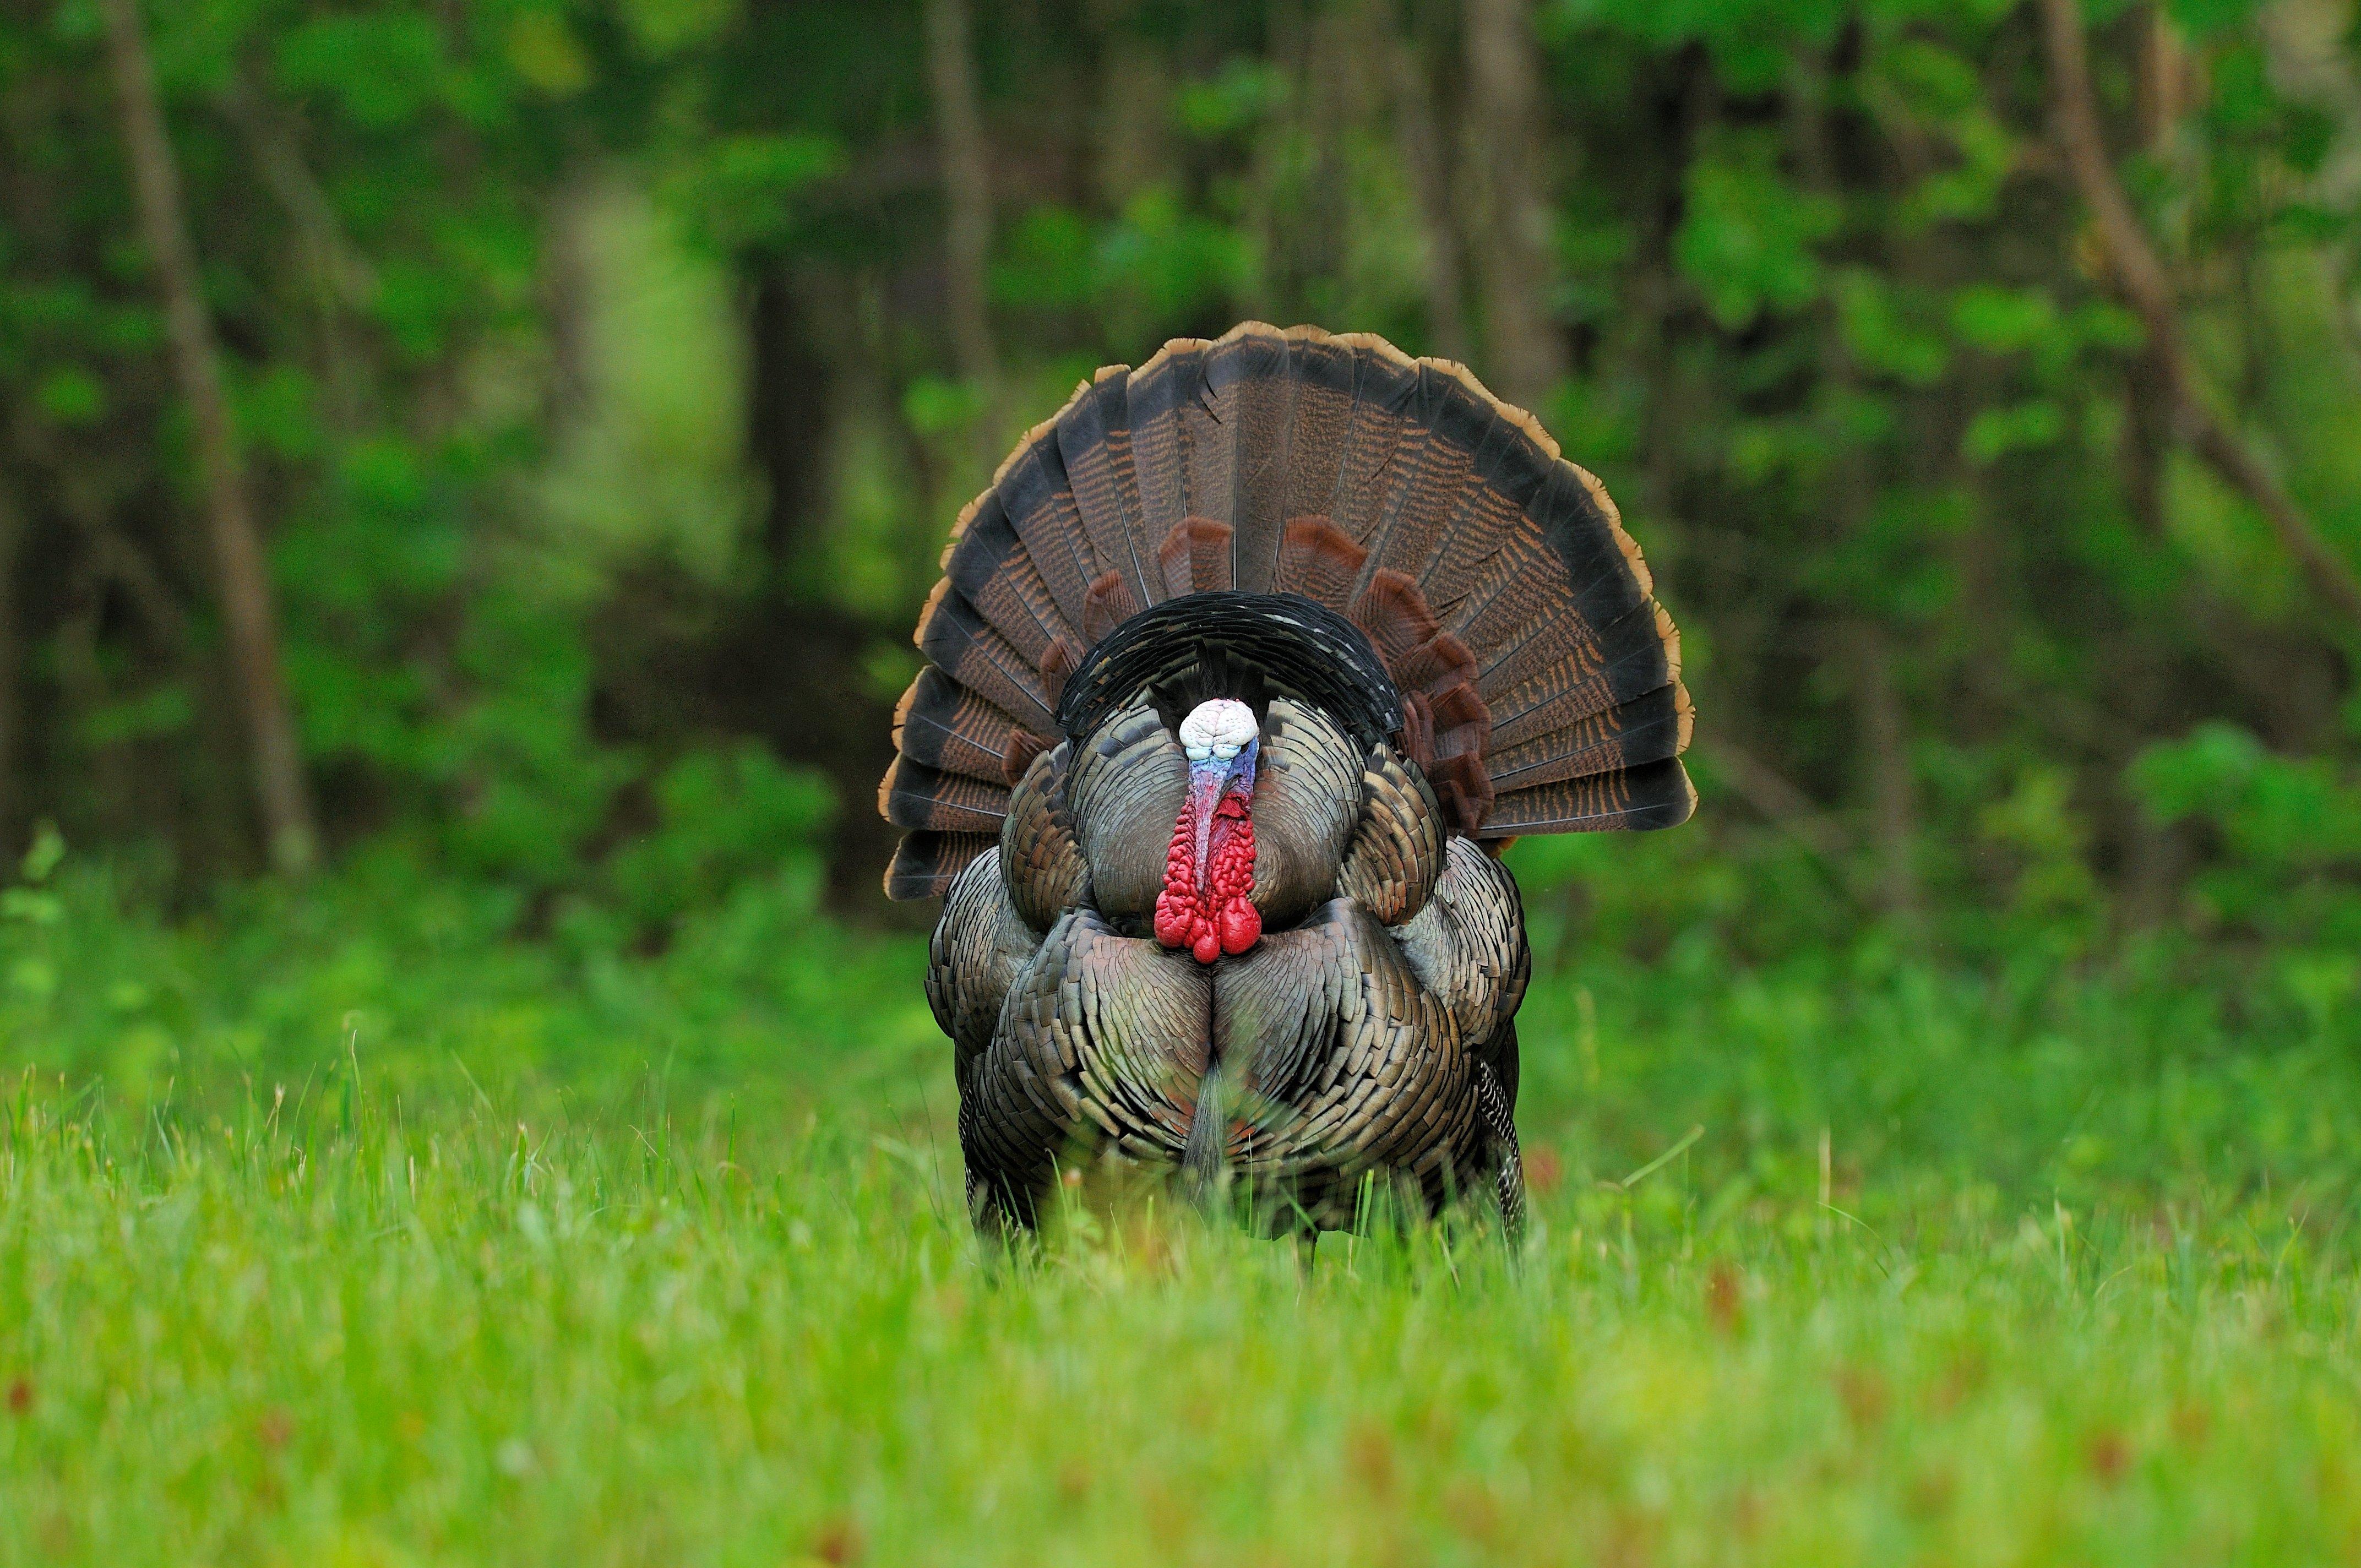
(1241, 674)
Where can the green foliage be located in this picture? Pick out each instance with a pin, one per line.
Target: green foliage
(740, 192)
(2292, 828)
(570, 343)
(1748, 238)
(722, 820)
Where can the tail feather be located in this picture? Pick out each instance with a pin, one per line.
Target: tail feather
(1108, 604)
(1317, 559)
(1547, 682)
(1258, 385)
(1039, 503)
(1154, 396)
(1539, 679)
(914, 796)
(1387, 438)
(1656, 794)
(1426, 471)
(1510, 598)
(966, 647)
(1208, 445)
(948, 727)
(1320, 437)
(1197, 556)
(1455, 517)
(993, 571)
(1648, 728)
(1095, 439)
(1602, 562)
(1481, 545)
(925, 861)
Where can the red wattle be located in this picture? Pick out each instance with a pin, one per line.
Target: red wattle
(1241, 926)
(1208, 908)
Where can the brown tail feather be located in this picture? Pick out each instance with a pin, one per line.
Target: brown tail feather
(912, 794)
(1420, 478)
(1384, 439)
(1648, 728)
(1574, 690)
(1256, 384)
(1195, 556)
(993, 570)
(1328, 372)
(1153, 398)
(1317, 559)
(1095, 444)
(1034, 495)
(967, 648)
(1208, 468)
(1108, 604)
(1656, 794)
(1509, 606)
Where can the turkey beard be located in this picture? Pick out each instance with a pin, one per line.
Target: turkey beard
(1207, 903)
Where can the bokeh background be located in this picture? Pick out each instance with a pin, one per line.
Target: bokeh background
(469, 472)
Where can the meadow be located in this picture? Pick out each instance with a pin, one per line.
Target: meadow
(333, 1238)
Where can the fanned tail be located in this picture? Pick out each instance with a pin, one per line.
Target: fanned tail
(1539, 679)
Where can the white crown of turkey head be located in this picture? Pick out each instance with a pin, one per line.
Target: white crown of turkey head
(1217, 731)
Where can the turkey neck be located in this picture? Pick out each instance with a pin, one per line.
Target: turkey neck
(1206, 906)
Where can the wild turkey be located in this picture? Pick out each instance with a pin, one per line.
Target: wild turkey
(1240, 675)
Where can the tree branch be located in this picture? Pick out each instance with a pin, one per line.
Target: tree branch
(2144, 283)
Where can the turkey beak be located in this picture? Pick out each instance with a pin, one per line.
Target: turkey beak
(1212, 779)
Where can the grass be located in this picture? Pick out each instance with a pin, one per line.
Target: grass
(594, 1259)
(448, 1339)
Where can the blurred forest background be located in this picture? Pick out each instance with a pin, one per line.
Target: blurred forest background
(472, 465)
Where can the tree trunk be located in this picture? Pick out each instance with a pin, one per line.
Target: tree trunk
(966, 204)
(1421, 147)
(789, 666)
(12, 706)
(787, 406)
(1524, 355)
(1880, 722)
(248, 612)
(1893, 792)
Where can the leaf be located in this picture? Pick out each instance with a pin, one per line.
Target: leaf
(1888, 332)
(1995, 432)
(2002, 319)
(543, 51)
(740, 191)
(71, 395)
(380, 69)
(1748, 234)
